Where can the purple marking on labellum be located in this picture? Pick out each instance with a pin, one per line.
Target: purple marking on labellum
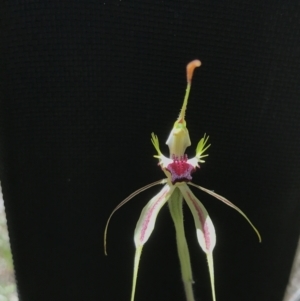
(180, 170)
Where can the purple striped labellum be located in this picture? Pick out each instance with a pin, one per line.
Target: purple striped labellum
(178, 170)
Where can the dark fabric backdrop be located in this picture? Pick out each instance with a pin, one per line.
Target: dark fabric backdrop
(84, 83)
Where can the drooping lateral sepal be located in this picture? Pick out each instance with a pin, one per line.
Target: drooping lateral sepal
(146, 222)
(227, 202)
(205, 229)
(126, 200)
(145, 226)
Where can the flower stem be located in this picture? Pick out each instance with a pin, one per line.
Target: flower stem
(175, 205)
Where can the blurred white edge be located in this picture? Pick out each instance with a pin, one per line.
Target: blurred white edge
(293, 288)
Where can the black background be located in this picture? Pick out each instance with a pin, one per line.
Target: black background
(85, 83)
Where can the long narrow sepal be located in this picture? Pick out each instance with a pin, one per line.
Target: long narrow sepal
(205, 229)
(179, 138)
(204, 226)
(190, 67)
(227, 202)
(210, 262)
(145, 226)
(137, 257)
(175, 205)
(132, 195)
(146, 222)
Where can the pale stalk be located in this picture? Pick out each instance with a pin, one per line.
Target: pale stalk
(210, 262)
(137, 257)
(175, 205)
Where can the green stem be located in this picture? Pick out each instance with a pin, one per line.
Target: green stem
(175, 205)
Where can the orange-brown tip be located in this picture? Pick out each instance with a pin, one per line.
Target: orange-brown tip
(190, 67)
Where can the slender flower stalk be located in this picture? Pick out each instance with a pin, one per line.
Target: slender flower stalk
(175, 205)
(178, 169)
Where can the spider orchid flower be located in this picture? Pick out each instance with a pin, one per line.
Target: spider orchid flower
(178, 169)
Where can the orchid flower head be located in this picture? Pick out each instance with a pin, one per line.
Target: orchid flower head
(178, 169)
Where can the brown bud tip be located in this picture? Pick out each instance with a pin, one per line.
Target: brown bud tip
(190, 69)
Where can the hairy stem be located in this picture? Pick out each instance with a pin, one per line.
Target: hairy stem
(175, 205)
